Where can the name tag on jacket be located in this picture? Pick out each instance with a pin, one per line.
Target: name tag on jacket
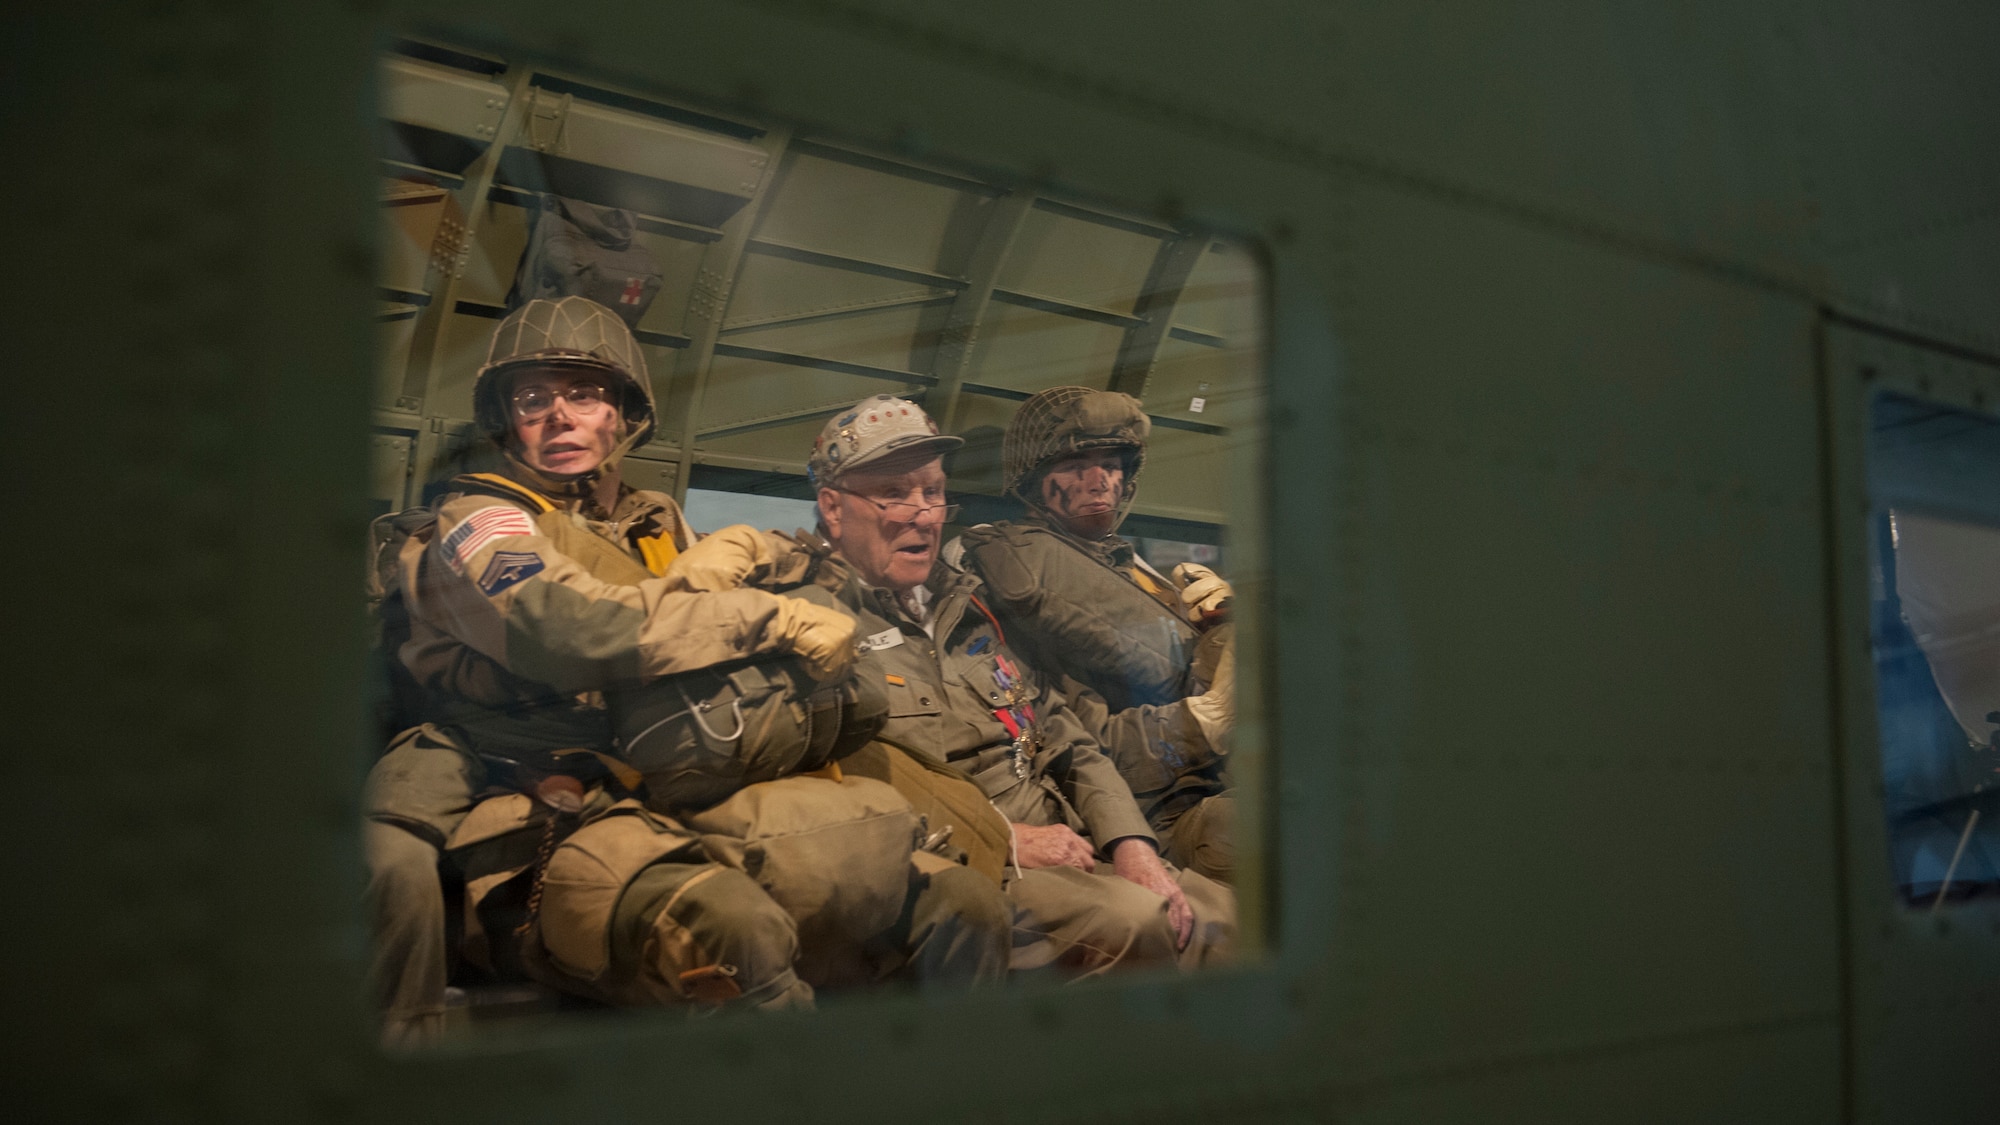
(887, 638)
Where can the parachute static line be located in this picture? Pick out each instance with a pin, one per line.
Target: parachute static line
(694, 711)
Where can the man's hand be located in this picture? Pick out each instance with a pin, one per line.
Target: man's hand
(1054, 845)
(821, 636)
(1136, 860)
(723, 560)
(1205, 595)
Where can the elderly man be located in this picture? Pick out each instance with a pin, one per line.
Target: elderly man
(1086, 877)
(1132, 646)
(518, 603)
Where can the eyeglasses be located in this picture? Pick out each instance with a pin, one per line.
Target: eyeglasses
(534, 403)
(902, 511)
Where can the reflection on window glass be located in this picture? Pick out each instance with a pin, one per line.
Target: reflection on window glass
(1934, 476)
(710, 510)
(801, 569)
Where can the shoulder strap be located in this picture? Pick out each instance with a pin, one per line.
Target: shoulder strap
(1153, 582)
(519, 491)
(606, 561)
(658, 513)
(659, 552)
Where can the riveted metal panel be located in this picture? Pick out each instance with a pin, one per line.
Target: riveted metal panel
(1924, 988)
(1032, 350)
(982, 421)
(250, 290)
(462, 346)
(841, 208)
(1182, 480)
(389, 470)
(1726, 1075)
(1591, 506)
(771, 289)
(1939, 278)
(1911, 231)
(1184, 372)
(887, 338)
(779, 448)
(413, 216)
(1656, 772)
(494, 255)
(1211, 361)
(1076, 260)
(1481, 331)
(1681, 130)
(1220, 299)
(647, 472)
(395, 323)
(743, 390)
(607, 137)
(441, 98)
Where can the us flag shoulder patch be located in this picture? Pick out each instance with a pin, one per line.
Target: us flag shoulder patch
(480, 529)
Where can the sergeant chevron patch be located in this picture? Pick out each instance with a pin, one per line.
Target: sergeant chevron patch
(507, 569)
(481, 528)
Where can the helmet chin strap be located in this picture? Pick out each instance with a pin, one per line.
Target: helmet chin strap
(1124, 506)
(580, 486)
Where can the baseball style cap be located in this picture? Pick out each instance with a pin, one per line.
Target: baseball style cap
(871, 430)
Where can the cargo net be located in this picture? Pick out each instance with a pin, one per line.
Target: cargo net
(572, 325)
(1029, 438)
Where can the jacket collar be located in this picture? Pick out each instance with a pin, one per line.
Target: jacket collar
(950, 587)
(1111, 550)
(574, 494)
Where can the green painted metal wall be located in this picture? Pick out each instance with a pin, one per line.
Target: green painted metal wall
(1575, 306)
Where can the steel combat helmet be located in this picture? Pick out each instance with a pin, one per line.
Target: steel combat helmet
(1064, 420)
(870, 430)
(568, 332)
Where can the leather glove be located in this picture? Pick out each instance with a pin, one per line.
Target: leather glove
(1215, 711)
(822, 637)
(725, 560)
(1205, 595)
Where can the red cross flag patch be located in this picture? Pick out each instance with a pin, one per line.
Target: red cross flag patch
(635, 291)
(480, 530)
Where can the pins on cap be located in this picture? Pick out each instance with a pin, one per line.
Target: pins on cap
(873, 428)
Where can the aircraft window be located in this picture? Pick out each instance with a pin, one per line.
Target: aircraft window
(1934, 479)
(710, 510)
(748, 289)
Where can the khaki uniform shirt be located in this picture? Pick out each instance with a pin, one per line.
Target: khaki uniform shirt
(942, 701)
(520, 615)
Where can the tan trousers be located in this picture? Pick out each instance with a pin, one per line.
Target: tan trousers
(678, 931)
(691, 933)
(407, 961)
(1072, 923)
(1203, 839)
(708, 934)
(416, 794)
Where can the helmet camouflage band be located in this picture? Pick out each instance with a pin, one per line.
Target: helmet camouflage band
(1065, 420)
(570, 332)
(870, 430)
